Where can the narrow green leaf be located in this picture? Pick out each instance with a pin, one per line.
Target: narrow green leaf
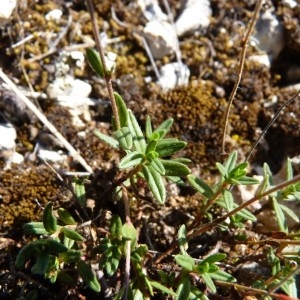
(244, 213)
(79, 190)
(158, 166)
(41, 264)
(201, 186)
(185, 261)
(182, 240)
(245, 181)
(112, 142)
(182, 160)
(129, 232)
(289, 212)
(230, 162)
(197, 294)
(124, 137)
(132, 159)
(228, 200)
(175, 168)
(115, 227)
(71, 255)
(184, 289)
(139, 142)
(266, 182)
(177, 180)
(239, 170)
(162, 288)
(279, 215)
(35, 228)
(222, 170)
(167, 147)
(25, 254)
(122, 109)
(53, 246)
(289, 169)
(223, 276)
(148, 128)
(95, 61)
(66, 217)
(112, 264)
(164, 127)
(208, 281)
(88, 276)
(72, 234)
(155, 183)
(69, 243)
(215, 258)
(290, 288)
(49, 220)
(151, 145)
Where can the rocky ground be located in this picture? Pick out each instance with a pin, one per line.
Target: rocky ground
(44, 56)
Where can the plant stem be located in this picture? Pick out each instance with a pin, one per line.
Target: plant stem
(280, 109)
(244, 43)
(107, 73)
(249, 290)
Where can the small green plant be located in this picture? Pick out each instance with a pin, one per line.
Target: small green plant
(59, 251)
(58, 246)
(145, 154)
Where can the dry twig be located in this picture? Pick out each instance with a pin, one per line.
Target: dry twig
(244, 44)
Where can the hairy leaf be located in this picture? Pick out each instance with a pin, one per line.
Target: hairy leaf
(49, 220)
(124, 137)
(112, 142)
(88, 276)
(139, 142)
(201, 186)
(132, 159)
(167, 147)
(122, 109)
(66, 217)
(35, 228)
(175, 168)
(95, 61)
(155, 183)
(185, 261)
(72, 234)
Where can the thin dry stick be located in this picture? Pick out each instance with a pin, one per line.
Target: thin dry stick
(244, 44)
(107, 73)
(249, 290)
(46, 122)
(282, 107)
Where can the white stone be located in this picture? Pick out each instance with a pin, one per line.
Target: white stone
(263, 59)
(54, 15)
(8, 136)
(290, 3)
(152, 10)
(68, 86)
(161, 38)
(17, 158)
(195, 14)
(50, 156)
(173, 74)
(6, 8)
(269, 35)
